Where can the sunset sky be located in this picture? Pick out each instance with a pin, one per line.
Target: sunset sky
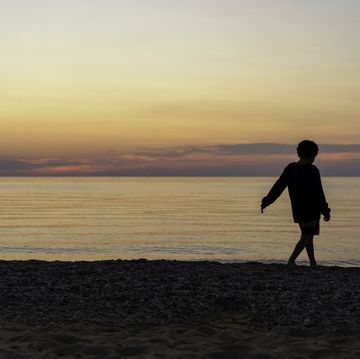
(170, 87)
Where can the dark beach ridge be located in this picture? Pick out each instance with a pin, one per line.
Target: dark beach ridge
(163, 309)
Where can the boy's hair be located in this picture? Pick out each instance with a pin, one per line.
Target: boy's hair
(307, 148)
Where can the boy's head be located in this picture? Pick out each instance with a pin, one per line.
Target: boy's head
(307, 149)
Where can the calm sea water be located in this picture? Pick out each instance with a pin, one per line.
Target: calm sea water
(168, 218)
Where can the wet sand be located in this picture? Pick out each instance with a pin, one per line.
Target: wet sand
(170, 309)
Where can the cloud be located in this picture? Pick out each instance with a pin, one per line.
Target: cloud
(257, 159)
(255, 148)
(45, 166)
(10, 165)
(174, 152)
(248, 149)
(352, 148)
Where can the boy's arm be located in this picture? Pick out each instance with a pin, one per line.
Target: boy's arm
(324, 207)
(276, 190)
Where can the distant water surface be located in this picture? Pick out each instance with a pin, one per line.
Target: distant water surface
(182, 218)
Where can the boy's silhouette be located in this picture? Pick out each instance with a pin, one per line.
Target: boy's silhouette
(306, 195)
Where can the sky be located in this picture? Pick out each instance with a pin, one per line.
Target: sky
(162, 87)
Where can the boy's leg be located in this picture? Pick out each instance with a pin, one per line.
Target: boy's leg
(310, 252)
(303, 242)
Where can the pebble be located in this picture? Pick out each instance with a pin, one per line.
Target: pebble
(170, 292)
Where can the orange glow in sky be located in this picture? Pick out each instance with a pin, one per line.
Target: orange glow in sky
(82, 79)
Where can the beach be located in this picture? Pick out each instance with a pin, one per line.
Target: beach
(177, 309)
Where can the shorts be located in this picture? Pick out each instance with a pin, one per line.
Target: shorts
(311, 227)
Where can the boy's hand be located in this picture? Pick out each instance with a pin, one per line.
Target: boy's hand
(262, 208)
(263, 205)
(327, 218)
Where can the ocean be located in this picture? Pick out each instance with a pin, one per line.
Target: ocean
(177, 218)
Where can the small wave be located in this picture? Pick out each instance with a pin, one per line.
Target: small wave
(55, 250)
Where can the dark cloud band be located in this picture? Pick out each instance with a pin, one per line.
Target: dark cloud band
(257, 159)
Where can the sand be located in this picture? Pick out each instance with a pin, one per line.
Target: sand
(170, 309)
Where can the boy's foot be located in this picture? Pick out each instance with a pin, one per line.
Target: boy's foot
(313, 264)
(291, 264)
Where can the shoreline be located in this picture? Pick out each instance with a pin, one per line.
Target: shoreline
(176, 307)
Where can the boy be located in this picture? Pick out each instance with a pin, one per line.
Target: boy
(306, 195)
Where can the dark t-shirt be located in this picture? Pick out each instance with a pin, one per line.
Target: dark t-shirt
(305, 190)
